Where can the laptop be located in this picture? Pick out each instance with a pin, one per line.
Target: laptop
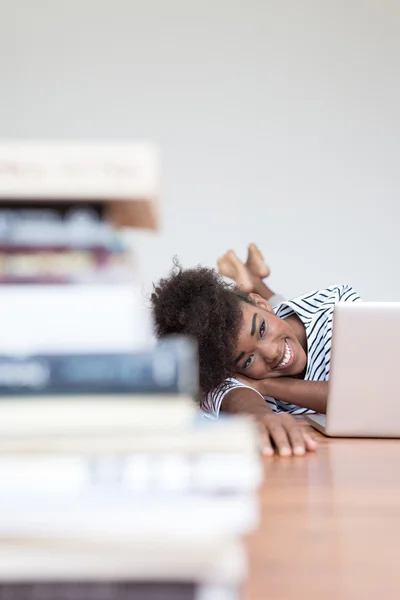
(364, 385)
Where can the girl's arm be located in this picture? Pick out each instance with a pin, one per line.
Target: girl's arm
(309, 394)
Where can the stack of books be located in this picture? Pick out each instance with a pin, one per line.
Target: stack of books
(63, 209)
(62, 205)
(114, 487)
(64, 244)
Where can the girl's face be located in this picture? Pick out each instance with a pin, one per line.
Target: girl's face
(267, 345)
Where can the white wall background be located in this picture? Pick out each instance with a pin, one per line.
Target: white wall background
(278, 122)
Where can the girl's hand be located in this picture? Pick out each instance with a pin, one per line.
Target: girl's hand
(283, 434)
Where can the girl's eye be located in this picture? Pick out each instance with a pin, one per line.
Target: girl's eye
(248, 362)
(263, 327)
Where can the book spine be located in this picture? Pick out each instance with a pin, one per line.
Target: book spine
(99, 590)
(170, 367)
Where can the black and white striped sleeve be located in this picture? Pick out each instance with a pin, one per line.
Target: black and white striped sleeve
(211, 404)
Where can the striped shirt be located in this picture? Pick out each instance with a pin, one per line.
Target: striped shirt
(315, 310)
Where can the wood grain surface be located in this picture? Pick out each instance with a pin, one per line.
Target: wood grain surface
(330, 526)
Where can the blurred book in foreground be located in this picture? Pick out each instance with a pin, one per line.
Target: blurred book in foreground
(112, 485)
(170, 367)
(42, 319)
(106, 590)
(95, 515)
(133, 494)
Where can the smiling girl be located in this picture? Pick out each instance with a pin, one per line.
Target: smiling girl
(268, 362)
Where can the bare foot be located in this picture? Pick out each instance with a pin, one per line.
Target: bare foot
(255, 262)
(230, 266)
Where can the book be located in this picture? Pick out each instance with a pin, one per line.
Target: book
(105, 590)
(231, 434)
(121, 176)
(165, 473)
(204, 557)
(171, 367)
(33, 417)
(118, 590)
(67, 243)
(68, 224)
(52, 319)
(112, 514)
(72, 265)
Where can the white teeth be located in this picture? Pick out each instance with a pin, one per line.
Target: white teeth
(287, 356)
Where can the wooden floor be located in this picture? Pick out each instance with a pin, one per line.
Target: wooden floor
(330, 526)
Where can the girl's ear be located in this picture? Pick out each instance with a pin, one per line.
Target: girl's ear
(261, 302)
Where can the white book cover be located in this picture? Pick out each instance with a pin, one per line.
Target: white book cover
(205, 559)
(98, 415)
(139, 473)
(233, 434)
(120, 517)
(40, 319)
(125, 176)
(78, 169)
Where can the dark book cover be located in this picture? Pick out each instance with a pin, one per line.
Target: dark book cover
(169, 367)
(98, 591)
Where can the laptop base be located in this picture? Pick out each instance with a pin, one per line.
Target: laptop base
(318, 422)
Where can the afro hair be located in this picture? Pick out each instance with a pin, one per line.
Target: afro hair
(197, 302)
